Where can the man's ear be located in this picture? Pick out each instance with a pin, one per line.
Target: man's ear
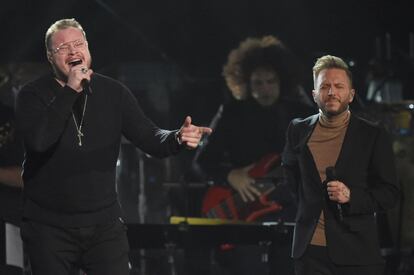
(314, 95)
(351, 95)
(49, 57)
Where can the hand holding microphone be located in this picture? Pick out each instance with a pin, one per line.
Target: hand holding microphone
(337, 190)
(79, 78)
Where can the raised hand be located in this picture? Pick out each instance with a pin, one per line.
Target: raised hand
(190, 134)
(77, 75)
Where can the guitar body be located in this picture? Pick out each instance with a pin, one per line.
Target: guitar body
(214, 196)
(224, 203)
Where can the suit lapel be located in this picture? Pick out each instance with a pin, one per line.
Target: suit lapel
(307, 132)
(307, 155)
(346, 148)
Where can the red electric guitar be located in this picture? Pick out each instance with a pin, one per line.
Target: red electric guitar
(225, 203)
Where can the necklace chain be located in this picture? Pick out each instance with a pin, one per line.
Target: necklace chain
(79, 128)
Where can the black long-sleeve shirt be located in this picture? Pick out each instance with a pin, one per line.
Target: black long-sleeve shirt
(11, 155)
(245, 133)
(71, 185)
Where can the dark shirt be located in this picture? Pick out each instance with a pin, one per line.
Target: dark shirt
(11, 155)
(71, 185)
(245, 133)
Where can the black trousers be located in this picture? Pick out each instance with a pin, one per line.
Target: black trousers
(97, 250)
(316, 261)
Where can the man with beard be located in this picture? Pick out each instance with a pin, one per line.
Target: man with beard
(72, 123)
(342, 171)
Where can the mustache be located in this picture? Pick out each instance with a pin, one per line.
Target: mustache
(333, 98)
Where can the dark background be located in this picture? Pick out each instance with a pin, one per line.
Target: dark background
(171, 53)
(193, 38)
(197, 35)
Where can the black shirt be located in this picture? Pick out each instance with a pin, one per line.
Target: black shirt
(245, 133)
(11, 155)
(71, 185)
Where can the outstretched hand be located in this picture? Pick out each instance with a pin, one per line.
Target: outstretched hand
(190, 134)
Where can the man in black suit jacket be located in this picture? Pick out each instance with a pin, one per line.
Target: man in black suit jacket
(342, 171)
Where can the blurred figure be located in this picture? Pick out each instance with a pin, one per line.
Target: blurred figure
(11, 156)
(342, 171)
(264, 79)
(72, 123)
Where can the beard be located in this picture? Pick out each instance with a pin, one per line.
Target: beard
(331, 112)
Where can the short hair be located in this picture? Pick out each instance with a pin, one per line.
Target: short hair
(266, 52)
(330, 62)
(61, 25)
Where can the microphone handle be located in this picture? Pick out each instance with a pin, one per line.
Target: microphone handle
(339, 208)
(86, 86)
(331, 176)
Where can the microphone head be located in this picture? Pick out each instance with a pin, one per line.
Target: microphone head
(331, 173)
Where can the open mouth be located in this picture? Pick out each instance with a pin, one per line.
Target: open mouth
(74, 62)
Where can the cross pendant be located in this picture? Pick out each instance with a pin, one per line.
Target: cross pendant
(80, 135)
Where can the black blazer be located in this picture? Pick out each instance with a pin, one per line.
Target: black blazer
(366, 165)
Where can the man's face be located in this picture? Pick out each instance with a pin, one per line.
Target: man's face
(333, 91)
(265, 86)
(68, 48)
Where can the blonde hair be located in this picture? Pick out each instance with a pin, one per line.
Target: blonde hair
(61, 25)
(330, 62)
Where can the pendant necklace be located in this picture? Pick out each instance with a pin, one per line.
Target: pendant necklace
(79, 128)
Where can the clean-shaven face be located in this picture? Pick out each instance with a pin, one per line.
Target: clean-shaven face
(265, 86)
(68, 48)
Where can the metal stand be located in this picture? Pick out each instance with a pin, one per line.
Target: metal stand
(265, 255)
(170, 248)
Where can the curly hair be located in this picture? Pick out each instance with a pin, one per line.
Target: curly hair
(267, 52)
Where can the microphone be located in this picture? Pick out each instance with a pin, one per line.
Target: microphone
(331, 173)
(331, 176)
(86, 84)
